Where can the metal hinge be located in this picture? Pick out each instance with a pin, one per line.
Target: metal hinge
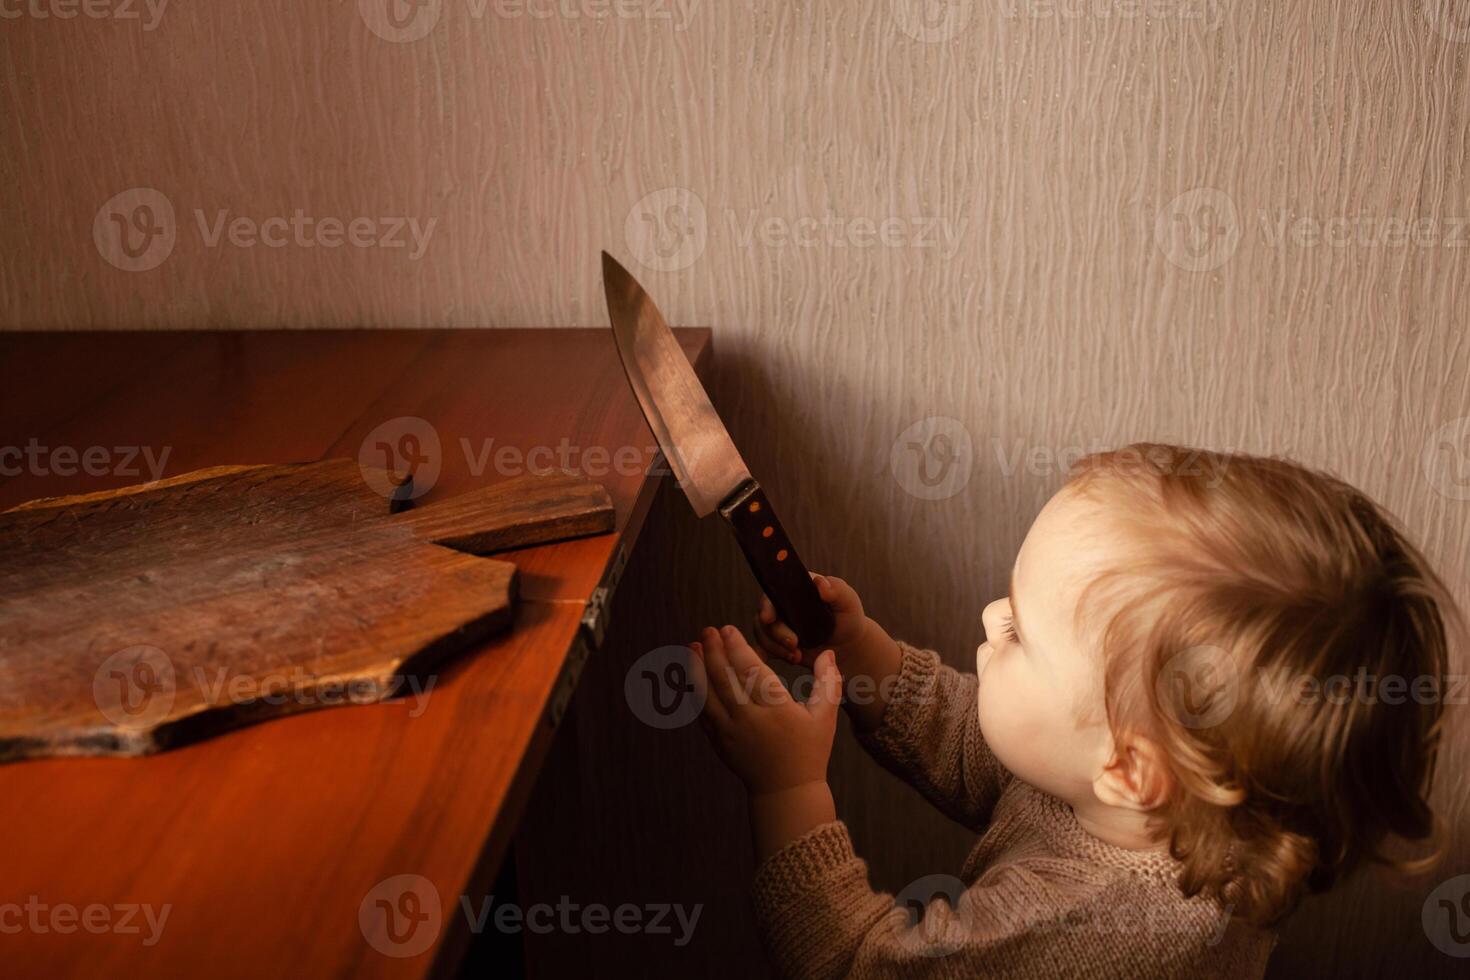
(594, 617)
(589, 637)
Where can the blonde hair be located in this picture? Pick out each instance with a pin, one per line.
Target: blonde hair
(1267, 579)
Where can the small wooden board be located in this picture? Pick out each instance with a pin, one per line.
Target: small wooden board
(136, 620)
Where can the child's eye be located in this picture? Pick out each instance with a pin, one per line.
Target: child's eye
(1008, 628)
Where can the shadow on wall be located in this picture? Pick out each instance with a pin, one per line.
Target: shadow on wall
(850, 516)
(839, 510)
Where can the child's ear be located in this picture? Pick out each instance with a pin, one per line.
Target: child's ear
(1136, 778)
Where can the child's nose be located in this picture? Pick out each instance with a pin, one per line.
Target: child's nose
(993, 618)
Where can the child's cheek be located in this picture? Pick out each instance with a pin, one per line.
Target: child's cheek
(1013, 725)
(990, 701)
(997, 725)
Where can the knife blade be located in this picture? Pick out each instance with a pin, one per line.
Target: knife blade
(703, 457)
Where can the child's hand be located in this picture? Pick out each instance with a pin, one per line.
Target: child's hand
(778, 640)
(772, 742)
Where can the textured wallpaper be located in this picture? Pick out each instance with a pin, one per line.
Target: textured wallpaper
(945, 248)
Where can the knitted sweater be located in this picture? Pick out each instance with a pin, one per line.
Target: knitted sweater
(1038, 896)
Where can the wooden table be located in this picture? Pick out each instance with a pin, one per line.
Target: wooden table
(264, 843)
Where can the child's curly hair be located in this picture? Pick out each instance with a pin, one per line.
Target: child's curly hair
(1285, 646)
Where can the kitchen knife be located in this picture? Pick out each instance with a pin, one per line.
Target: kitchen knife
(702, 455)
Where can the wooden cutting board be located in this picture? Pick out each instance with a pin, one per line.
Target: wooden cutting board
(140, 619)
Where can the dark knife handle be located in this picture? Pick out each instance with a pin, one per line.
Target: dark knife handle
(781, 574)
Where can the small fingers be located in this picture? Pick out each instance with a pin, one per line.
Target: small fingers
(713, 714)
(842, 597)
(756, 678)
(775, 637)
(784, 635)
(784, 641)
(722, 685)
(826, 694)
(771, 647)
(772, 624)
(767, 613)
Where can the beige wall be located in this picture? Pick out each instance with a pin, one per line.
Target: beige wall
(1058, 223)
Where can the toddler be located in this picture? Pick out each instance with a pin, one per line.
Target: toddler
(1215, 684)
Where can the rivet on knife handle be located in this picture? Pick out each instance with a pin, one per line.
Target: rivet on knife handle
(773, 559)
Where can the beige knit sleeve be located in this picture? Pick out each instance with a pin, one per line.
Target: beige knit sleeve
(1038, 916)
(821, 921)
(930, 737)
(814, 904)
